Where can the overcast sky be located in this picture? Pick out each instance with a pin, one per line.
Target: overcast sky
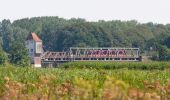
(157, 11)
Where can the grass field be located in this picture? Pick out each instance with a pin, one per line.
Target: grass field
(88, 80)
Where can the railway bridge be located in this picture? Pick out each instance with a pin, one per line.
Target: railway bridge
(90, 54)
(40, 58)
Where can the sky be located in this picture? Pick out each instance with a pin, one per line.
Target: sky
(157, 11)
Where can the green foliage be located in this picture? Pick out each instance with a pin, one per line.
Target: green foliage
(59, 34)
(78, 32)
(3, 57)
(83, 83)
(10, 34)
(163, 52)
(132, 77)
(19, 55)
(118, 65)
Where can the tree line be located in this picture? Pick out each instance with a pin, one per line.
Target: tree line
(59, 34)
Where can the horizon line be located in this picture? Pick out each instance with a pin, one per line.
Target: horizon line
(97, 20)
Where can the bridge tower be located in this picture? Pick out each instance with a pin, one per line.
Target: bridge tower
(34, 46)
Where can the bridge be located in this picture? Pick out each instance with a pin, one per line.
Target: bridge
(40, 58)
(90, 54)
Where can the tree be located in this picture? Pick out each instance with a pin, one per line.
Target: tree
(167, 42)
(163, 52)
(59, 34)
(3, 57)
(19, 55)
(7, 34)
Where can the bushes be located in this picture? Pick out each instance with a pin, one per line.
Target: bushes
(119, 65)
(3, 58)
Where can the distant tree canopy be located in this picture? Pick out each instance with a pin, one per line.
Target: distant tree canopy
(59, 34)
(19, 54)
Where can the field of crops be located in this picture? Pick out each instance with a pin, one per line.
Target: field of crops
(87, 81)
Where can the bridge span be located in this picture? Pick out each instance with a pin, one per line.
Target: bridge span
(90, 54)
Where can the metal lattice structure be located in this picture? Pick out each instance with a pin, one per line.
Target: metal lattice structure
(130, 54)
(93, 54)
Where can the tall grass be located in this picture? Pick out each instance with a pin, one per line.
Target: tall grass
(83, 83)
(132, 77)
(87, 80)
